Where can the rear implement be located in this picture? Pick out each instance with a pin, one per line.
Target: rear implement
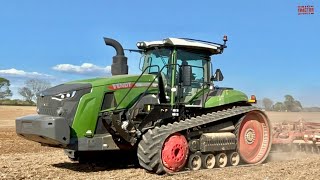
(296, 136)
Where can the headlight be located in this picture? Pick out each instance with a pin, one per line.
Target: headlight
(141, 45)
(65, 95)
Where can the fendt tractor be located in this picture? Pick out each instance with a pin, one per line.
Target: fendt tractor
(171, 117)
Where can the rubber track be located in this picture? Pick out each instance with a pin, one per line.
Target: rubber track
(149, 148)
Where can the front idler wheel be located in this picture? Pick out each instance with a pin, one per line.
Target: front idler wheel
(174, 152)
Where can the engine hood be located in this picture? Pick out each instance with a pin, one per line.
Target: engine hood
(62, 88)
(115, 79)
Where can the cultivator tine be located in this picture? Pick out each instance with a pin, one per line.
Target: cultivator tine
(296, 148)
(318, 149)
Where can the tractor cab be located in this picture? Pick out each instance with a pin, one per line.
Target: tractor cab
(184, 66)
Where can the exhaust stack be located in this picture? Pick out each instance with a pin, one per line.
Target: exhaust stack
(119, 61)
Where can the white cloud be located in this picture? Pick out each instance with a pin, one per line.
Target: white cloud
(85, 69)
(21, 73)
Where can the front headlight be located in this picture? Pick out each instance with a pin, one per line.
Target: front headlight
(65, 95)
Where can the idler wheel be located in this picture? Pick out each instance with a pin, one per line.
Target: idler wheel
(174, 152)
(254, 137)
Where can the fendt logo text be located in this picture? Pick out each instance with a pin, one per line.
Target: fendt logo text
(304, 10)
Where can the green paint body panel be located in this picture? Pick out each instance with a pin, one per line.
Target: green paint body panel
(90, 104)
(227, 97)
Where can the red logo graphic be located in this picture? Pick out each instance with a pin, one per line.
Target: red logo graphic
(303, 10)
(131, 85)
(120, 86)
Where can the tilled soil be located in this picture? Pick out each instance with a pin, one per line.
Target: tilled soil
(55, 165)
(10, 143)
(22, 159)
(9, 113)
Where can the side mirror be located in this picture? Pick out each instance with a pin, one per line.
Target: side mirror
(218, 76)
(186, 75)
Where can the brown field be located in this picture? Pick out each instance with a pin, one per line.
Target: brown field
(22, 159)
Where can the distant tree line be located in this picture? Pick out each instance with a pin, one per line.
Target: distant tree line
(28, 91)
(290, 104)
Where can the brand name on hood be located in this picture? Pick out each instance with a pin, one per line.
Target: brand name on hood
(130, 85)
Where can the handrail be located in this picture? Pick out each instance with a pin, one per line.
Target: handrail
(124, 134)
(118, 104)
(157, 75)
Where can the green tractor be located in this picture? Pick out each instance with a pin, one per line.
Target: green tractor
(170, 118)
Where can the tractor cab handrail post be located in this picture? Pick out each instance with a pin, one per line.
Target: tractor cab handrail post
(134, 85)
(157, 75)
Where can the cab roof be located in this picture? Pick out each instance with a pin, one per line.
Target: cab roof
(213, 48)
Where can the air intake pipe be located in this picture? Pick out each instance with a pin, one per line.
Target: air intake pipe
(119, 61)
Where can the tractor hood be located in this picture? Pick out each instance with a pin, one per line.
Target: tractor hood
(87, 84)
(95, 82)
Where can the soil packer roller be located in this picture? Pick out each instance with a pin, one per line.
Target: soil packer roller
(170, 117)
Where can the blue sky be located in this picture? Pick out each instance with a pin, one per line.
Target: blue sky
(272, 51)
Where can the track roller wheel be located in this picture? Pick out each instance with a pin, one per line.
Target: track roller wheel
(221, 160)
(254, 137)
(233, 158)
(174, 152)
(194, 162)
(208, 161)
